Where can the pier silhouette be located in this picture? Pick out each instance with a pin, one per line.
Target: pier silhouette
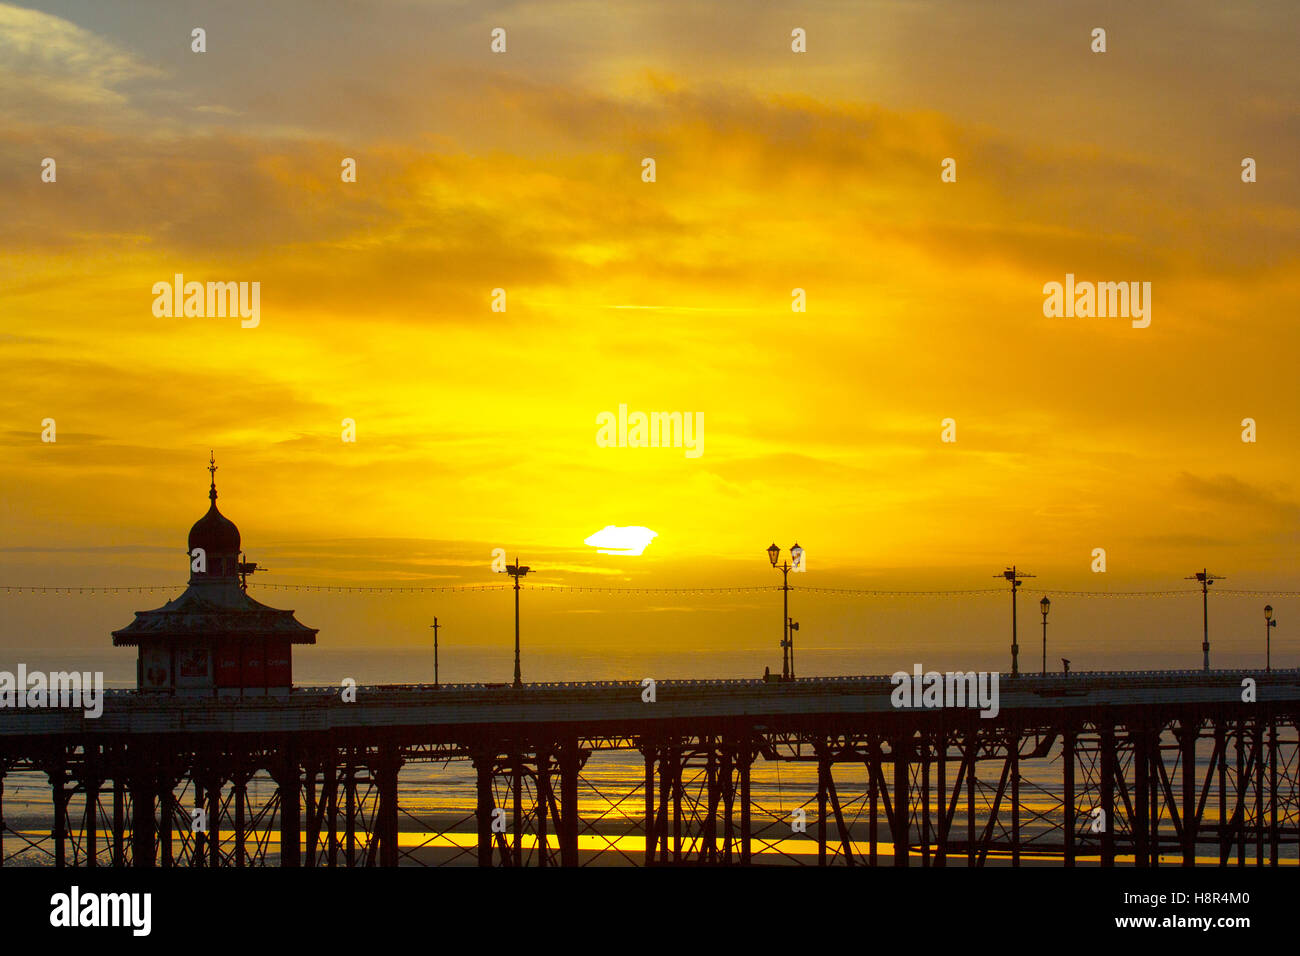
(1173, 764)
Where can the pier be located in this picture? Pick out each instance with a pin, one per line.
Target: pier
(1172, 764)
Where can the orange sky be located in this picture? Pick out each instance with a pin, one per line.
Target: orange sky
(775, 170)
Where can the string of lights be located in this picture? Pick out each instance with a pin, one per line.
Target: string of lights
(567, 587)
(866, 593)
(1240, 591)
(414, 589)
(86, 589)
(110, 589)
(1173, 592)
(387, 588)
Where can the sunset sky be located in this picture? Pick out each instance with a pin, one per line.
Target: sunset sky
(775, 171)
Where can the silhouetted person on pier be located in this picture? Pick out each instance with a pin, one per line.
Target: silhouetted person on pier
(1066, 664)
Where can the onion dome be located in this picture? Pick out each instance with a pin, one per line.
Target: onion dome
(214, 607)
(215, 534)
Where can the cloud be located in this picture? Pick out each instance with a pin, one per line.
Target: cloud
(475, 428)
(1235, 493)
(51, 67)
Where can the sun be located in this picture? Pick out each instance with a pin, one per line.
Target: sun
(611, 539)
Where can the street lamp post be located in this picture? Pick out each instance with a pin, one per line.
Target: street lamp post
(435, 625)
(1045, 605)
(1014, 577)
(773, 555)
(1206, 579)
(1269, 623)
(516, 571)
(790, 627)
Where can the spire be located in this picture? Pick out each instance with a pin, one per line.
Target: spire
(215, 534)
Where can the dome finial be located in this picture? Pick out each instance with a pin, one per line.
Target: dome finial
(216, 535)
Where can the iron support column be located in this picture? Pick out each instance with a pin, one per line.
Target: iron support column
(290, 812)
(570, 760)
(648, 750)
(1067, 795)
(486, 804)
(1140, 825)
(60, 815)
(142, 822)
(1187, 743)
(1108, 766)
(746, 826)
(823, 774)
(902, 811)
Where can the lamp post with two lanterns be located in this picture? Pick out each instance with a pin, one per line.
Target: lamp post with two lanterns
(796, 555)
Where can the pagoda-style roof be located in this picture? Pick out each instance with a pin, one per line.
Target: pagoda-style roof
(214, 608)
(215, 603)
